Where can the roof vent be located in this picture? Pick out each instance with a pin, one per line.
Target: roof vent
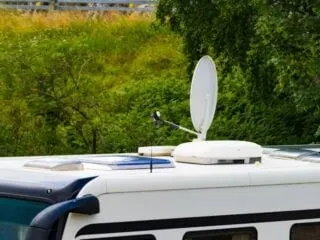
(125, 162)
(140, 163)
(218, 152)
(291, 153)
(59, 164)
(302, 153)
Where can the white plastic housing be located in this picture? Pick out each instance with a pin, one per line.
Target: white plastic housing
(156, 150)
(217, 152)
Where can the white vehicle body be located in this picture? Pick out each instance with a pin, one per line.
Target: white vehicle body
(268, 197)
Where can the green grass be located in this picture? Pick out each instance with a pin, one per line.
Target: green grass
(66, 76)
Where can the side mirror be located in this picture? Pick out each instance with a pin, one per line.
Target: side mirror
(43, 222)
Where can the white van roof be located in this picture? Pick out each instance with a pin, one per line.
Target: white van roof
(280, 165)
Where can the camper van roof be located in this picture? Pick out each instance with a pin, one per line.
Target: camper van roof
(278, 166)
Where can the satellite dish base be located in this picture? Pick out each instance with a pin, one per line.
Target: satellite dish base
(201, 137)
(218, 152)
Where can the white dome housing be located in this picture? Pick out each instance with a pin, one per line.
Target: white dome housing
(218, 152)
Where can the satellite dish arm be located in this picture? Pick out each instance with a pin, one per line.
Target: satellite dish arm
(175, 126)
(157, 120)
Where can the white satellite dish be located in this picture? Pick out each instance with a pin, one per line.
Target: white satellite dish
(203, 99)
(203, 95)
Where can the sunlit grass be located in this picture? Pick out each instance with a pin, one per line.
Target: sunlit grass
(110, 66)
(30, 21)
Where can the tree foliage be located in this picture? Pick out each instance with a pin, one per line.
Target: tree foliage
(275, 45)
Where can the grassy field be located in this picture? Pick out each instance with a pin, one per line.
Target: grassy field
(73, 83)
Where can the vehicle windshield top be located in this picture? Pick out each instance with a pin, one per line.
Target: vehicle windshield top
(15, 217)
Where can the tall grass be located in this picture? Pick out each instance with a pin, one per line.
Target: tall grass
(31, 21)
(71, 82)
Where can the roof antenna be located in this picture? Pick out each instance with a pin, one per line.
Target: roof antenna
(151, 162)
(203, 99)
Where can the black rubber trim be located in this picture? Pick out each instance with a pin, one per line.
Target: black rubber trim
(44, 221)
(147, 225)
(226, 231)
(132, 237)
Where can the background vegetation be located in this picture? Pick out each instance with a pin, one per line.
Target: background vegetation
(268, 55)
(70, 83)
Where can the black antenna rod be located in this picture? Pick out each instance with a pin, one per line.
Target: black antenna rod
(151, 162)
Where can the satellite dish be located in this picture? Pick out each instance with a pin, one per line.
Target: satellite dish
(203, 99)
(203, 95)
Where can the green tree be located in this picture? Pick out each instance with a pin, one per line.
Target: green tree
(276, 44)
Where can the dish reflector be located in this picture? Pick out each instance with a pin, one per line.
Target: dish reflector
(203, 95)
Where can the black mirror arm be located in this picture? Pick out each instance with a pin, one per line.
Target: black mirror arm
(43, 222)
